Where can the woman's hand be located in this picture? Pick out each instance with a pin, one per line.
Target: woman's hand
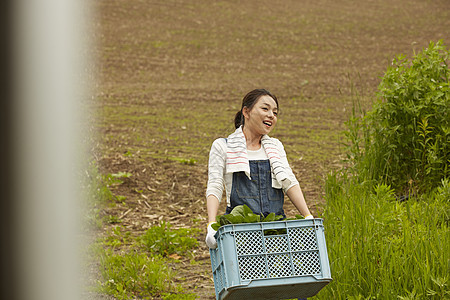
(210, 239)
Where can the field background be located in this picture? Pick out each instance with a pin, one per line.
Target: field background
(172, 74)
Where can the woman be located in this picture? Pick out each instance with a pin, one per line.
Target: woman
(251, 166)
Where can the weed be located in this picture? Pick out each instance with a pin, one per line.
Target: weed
(98, 190)
(98, 185)
(112, 180)
(113, 219)
(93, 218)
(440, 288)
(198, 219)
(165, 241)
(117, 237)
(98, 194)
(138, 272)
(121, 198)
(115, 179)
(128, 275)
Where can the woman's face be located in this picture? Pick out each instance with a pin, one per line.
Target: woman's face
(262, 118)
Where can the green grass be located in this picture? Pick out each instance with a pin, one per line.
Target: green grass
(140, 266)
(127, 275)
(380, 248)
(164, 240)
(98, 188)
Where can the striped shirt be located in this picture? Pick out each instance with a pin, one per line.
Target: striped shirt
(230, 155)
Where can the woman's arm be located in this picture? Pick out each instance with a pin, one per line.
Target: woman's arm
(215, 186)
(214, 190)
(293, 189)
(212, 206)
(296, 195)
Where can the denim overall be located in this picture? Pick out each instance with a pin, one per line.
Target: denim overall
(257, 193)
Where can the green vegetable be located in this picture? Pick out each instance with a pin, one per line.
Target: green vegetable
(297, 217)
(272, 217)
(243, 214)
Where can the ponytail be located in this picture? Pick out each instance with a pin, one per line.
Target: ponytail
(238, 119)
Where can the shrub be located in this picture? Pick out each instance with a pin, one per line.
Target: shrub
(404, 141)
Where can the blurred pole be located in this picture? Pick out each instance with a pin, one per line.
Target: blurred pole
(48, 91)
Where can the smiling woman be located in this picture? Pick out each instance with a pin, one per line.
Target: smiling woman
(251, 166)
(261, 118)
(267, 102)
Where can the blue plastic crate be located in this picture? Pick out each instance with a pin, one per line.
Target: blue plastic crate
(252, 263)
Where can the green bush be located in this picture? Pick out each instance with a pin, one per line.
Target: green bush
(404, 141)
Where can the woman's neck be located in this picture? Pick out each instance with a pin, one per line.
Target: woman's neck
(252, 140)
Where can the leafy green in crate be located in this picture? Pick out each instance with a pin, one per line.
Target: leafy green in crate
(243, 214)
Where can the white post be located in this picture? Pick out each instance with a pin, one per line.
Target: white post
(48, 65)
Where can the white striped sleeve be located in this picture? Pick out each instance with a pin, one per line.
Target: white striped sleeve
(216, 169)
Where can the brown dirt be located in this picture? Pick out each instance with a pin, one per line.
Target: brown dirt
(171, 75)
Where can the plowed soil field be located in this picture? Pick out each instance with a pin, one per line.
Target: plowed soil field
(172, 74)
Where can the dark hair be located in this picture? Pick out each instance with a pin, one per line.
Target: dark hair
(249, 101)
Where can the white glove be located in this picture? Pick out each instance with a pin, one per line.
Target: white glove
(210, 239)
(308, 217)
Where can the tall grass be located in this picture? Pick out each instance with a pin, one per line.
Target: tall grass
(380, 248)
(380, 245)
